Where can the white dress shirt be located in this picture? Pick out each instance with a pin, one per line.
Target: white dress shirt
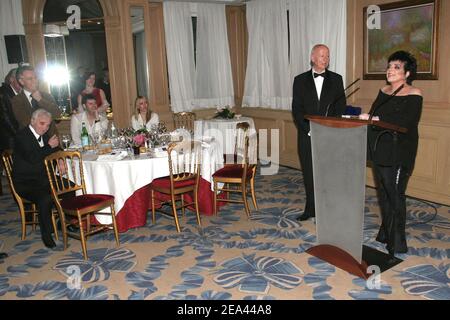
(39, 138)
(28, 95)
(76, 123)
(139, 123)
(14, 90)
(318, 81)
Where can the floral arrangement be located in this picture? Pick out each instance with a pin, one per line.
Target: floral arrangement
(139, 140)
(224, 113)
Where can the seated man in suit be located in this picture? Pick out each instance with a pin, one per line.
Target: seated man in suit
(32, 144)
(31, 98)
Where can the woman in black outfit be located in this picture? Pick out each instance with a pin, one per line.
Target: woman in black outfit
(393, 154)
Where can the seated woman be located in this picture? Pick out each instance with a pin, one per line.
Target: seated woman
(143, 117)
(90, 88)
(93, 120)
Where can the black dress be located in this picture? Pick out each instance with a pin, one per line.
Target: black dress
(393, 155)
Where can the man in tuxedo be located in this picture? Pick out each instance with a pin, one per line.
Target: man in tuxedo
(318, 91)
(8, 122)
(31, 98)
(32, 144)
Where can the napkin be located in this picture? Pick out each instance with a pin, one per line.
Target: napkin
(113, 156)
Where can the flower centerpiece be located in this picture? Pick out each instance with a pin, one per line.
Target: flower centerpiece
(139, 140)
(224, 113)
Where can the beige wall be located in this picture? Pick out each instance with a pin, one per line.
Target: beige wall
(431, 178)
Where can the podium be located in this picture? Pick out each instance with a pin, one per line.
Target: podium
(339, 148)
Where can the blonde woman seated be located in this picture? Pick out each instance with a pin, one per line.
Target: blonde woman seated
(143, 117)
(94, 121)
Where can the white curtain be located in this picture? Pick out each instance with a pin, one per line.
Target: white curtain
(214, 78)
(11, 22)
(267, 82)
(317, 21)
(180, 55)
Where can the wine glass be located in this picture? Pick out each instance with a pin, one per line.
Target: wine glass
(66, 139)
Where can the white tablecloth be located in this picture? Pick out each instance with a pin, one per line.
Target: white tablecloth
(224, 132)
(122, 178)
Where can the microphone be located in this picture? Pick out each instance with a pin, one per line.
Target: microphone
(342, 96)
(372, 111)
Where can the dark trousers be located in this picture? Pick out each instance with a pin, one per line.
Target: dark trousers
(304, 148)
(40, 195)
(392, 182)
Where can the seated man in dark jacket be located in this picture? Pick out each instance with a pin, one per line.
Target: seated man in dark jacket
(32, 144)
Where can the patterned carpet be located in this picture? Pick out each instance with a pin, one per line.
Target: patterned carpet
(231, 257)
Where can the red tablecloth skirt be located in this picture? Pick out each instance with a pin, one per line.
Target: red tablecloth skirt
(135, 210)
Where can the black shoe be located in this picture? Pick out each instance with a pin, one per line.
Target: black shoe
(3, 255)
(305, 216)
(48, 241)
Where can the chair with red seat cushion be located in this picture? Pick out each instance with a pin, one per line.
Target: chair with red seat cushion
(184, 176)
(76, 209)
(238, 172)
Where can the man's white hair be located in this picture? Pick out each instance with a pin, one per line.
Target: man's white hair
(40, 113)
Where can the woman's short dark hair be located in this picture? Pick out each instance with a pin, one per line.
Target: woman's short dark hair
(88, 74)
(409, 61)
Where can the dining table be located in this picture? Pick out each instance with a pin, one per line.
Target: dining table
(127, 177)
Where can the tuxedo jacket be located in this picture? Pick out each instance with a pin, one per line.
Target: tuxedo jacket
(28, 158)
(23, 110)
(305, 100)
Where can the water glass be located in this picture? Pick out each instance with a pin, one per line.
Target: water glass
(66, 139)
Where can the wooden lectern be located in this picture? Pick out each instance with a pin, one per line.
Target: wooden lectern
(339, 148)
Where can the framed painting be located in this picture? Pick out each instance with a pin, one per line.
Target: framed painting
(407, 25)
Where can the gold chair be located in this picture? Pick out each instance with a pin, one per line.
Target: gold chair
(184, 120)
(184, 177)
(76, 209)
(23, 203)
(239, 172)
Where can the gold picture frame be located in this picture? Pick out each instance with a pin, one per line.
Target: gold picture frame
(410, 25)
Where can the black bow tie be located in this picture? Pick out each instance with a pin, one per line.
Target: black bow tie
(39, 139)
(319, 75)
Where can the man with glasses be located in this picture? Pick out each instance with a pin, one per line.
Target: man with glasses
(31, 99)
